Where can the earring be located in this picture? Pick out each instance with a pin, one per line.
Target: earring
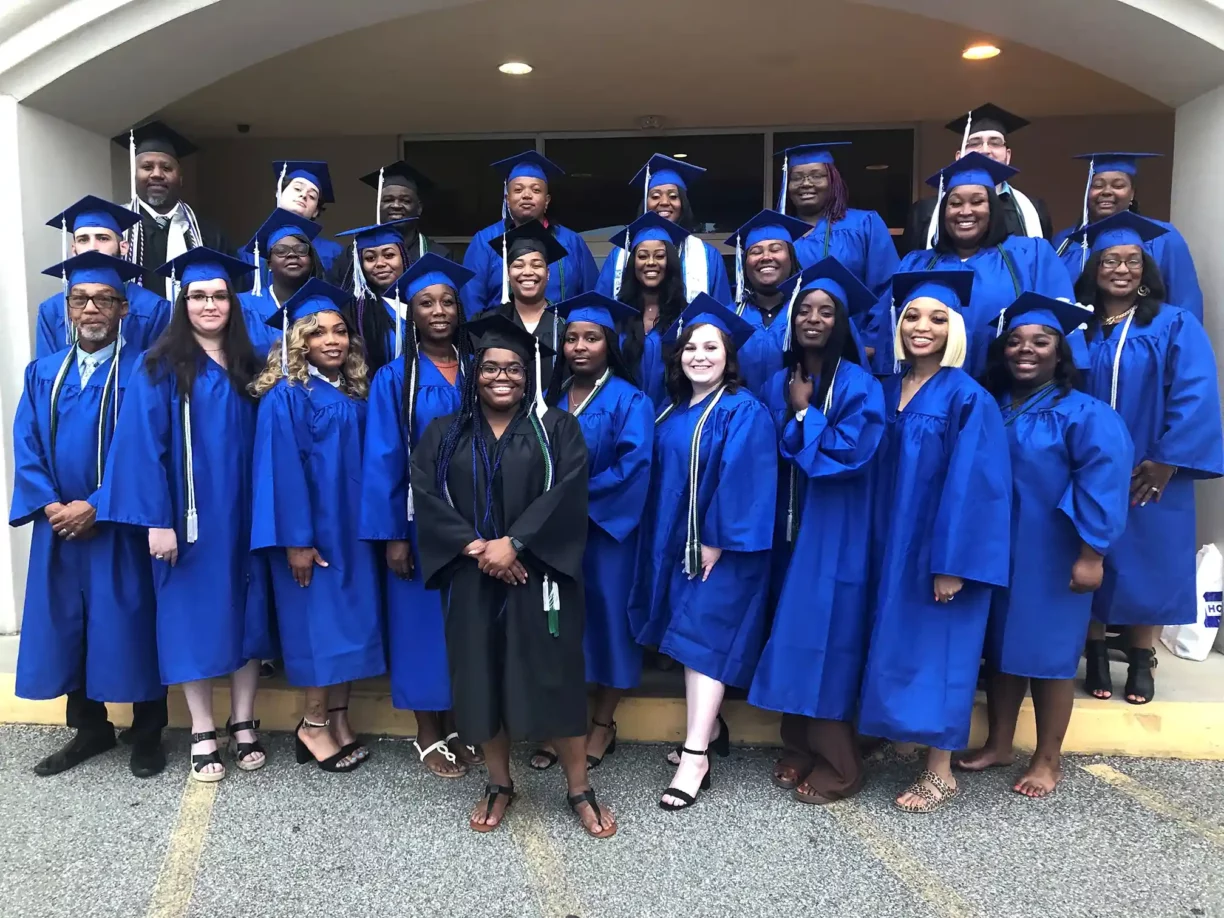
(1143, 290)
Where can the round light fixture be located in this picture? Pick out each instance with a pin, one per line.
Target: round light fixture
(515, 68)
(679, 156)
(982, 52)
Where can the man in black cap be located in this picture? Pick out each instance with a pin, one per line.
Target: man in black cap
(988, 128)
(168, 227)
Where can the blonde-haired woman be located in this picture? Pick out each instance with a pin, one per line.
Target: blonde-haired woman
(307, 472)
(941, 527)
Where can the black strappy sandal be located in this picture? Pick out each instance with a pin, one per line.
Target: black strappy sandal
(687, 800)
(588, 796)
(340, 763)
(595, 761)
(356, 746)
(1096, 676)
(492, 792)
(720, 745)
(240, 751)
(202, 760)
(1139, 679)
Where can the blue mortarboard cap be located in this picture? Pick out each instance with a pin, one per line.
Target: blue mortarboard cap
(203, 264)
(431, 269)
(666, 171)
(279, 225)
(92, 211)
(768, 224)
(314, 296)
(1125, 228)
(650, 226)
(705, 310)
(807, 153)
(594, 307)
(1035, 309)
(952, 288)
(312, 171)
(377, 234)
(972, 169)
(529, 164)
(1116, 162)
(96, 268)
(831, 276)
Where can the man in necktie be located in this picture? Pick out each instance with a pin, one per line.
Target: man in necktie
(88, 626)
(168, 225)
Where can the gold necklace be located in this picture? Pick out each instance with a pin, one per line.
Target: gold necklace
(1114, 320)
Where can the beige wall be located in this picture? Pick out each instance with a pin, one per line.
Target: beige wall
(231, 181)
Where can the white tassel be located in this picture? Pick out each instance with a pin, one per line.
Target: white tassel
(505, 273)
(132, 159)
(785, 179)
(739, 272)
(69, 335)
(257, 284)
(892, 315)
(1084, 218)
(411, 506)
(933, 235)
(399, 325)
(646, 189)
(173, 285)
(280, 182)
(618, 274)
(965, 136)
(193, 519)
(789, 315)
(378, 201)
(540, 406)
(999, 330)
(505, 199)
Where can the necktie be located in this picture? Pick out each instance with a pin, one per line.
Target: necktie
(88, 365)
(162, 222)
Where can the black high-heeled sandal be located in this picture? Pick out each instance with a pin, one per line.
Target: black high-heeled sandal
(1139, 679)
(720, 745)
(202, 760)
(340, 763)
(687, 800)
(1096, 676)
(594, 761)
(356, 746)
(240, 751)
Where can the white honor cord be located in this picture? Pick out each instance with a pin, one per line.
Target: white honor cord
(603, 381)
(378, 198)
(1117, 362)
(193, 522)
(1084, 217)
(892, 315)
(692, 545)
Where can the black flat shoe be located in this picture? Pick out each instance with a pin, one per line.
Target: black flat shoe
(1139, 679)
(148, 757)
(84, 745)
(595, 761)
(1096, 676)
(687, 800)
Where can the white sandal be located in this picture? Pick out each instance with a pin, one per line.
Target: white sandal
(442, 748)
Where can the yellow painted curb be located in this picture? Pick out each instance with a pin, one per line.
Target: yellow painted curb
(1162, 729)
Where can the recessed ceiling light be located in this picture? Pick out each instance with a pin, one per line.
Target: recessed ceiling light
(981, 52)
(515, 68)
(876, 167)
(679, 156)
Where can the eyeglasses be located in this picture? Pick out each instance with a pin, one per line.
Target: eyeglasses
(283, 251)
(1113, 262)
(201, 299)
(994, 143)
(514, 372)
(103, 302)
(808, 178)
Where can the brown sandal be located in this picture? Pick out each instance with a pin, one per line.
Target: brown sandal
(810, 796)
(922, 788)
(492, 792)
(785, 775)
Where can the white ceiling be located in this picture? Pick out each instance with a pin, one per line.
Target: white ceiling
(603, 65)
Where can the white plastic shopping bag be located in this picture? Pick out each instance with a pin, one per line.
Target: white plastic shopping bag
(1194, 641)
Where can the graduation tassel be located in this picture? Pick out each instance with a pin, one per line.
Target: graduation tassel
(505, 274)
(132, 163)
(999, 330)
(378, 198)
(785, 178)
(1084, 218)
(284, 341)
(280, 184)
(540, 405)
(193, 520)
(933, 228)
(892, 315)
(965, 136)
(789, 315)
(739, 274)
(646, 188)
(692, 543)
(505, 199)
(257, 284)
(173, 289)
(399, 325)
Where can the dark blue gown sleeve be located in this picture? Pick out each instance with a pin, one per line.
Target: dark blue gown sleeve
(282, 516)
(740, 516)
(33, 486)
(617, 494)
(1097, 498)
(842, 445)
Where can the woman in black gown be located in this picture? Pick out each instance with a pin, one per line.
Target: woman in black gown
(501, 508)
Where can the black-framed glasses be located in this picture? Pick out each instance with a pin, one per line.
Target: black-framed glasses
(103, 302)
(515, 372)
(1113, 262)
(808, 178)
(993, 143)
(284, 250)
(199, 299)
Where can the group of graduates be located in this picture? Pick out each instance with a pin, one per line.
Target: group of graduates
(838, 480)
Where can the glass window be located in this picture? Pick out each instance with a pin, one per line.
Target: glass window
(878, 168)
(595, 192)
(467, 195)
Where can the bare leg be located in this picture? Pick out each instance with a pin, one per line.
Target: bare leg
(598, 740)
(572, 750)
(939, 762)
(244, 682)
(319, 740)
(429, 731)
(199, 703)
(1144, 637)
(1052, 703)
(1004, 695)
(497, 761)
(703, 697)
(338, 697)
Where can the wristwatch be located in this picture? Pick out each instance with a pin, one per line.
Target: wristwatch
(517, 545)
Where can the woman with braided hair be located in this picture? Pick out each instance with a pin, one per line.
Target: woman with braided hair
(405, 397)
(500, 489)
(378, 260)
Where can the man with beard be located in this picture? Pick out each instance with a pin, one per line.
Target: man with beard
(168, 226)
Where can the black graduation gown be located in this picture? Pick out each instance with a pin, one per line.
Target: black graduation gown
(919, 221)
(505, 666)
(154, 241)
(341, 269)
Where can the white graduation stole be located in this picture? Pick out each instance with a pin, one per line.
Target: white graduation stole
(696, 268)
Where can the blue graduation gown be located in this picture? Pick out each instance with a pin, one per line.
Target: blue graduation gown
(255, 312)
(761, 356)
(790, 494)
(416, 640)
(212, 612)
(860, 241)
(88, 620)
(1071, 466)
(652, 371)
(942, 505)
(1171, 254)
(148, 315)
(812, 663)
(717, 284)
(307, 466)
(1169, 398)
(574, 274)
(618, 427)
(995, 287)
(717, 626)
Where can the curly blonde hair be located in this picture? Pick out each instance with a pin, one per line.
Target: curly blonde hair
(354, 375)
